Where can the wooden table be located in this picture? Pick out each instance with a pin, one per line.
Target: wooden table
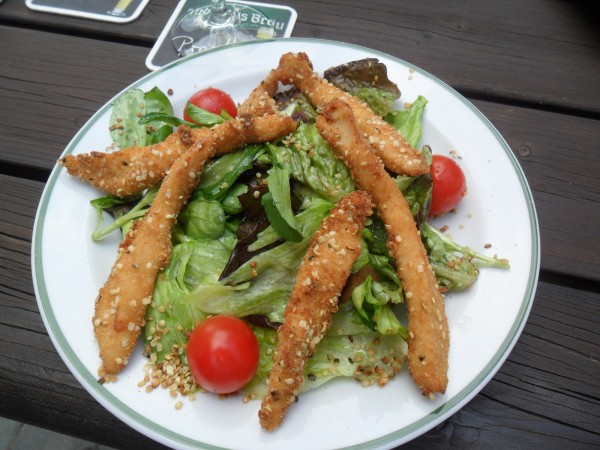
(531, 66)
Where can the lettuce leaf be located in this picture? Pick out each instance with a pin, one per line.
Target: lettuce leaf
(294, 103)
(125, 127)
(373, 301)
(349, 350)
(366, 79)
(222, 173)
(263, 284)
(455, 266)
(168, 319)
(278, 201)
(202, 219)
(124, 210)
(409, 122)
(312, 163)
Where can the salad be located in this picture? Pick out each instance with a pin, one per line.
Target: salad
(239, 241)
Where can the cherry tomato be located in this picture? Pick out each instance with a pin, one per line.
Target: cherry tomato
(212, 100)
(449, 185)
(223, 354)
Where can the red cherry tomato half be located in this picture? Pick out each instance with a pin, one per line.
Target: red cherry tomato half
(214, 101)
(223, 354)
(449, 185)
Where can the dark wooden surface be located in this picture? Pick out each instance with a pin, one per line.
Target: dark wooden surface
(531, 66)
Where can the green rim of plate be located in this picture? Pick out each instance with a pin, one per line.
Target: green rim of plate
(166, 436)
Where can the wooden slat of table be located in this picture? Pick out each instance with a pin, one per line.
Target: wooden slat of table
(143, 31)
(559, 155)
(79, 76)
(36, 386)
(554, 359)
(565, 184)
(518, 50)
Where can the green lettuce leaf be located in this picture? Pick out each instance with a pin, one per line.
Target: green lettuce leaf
(202, 219)
(294, 103)
(455, 266)
(263, 284)
(126, 129)
(409, 121)
(221, 174)
(366, 79)
(307, 220)
(124, 217)
(266, 295)
(349, 350)
(126, 111)
(312, 163)
(379, 100)
(373, 301)
(157, 102)
(201, 116)
(278, 201)
(168, 319)
(231, 203)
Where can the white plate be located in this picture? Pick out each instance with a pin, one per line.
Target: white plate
(485, 321)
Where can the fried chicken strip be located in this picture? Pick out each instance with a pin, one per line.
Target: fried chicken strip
(260, 101)
(397, 154)
(132, 170)
(314, 299)
(428, 341)
(122, 301)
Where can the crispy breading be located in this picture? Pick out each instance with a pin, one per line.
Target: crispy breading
(428, 341)
(314, 298)
(132, 170)
(260, 101)
(265, 128)
(122, 301)
(397, 154)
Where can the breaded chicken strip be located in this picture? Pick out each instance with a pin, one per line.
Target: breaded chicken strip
(314, 298)
(397, 154)
(428, 341)
(134, 169)
(260, 101)
(122, 301)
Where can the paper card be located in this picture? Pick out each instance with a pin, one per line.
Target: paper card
(183, 33)
(119, 11)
